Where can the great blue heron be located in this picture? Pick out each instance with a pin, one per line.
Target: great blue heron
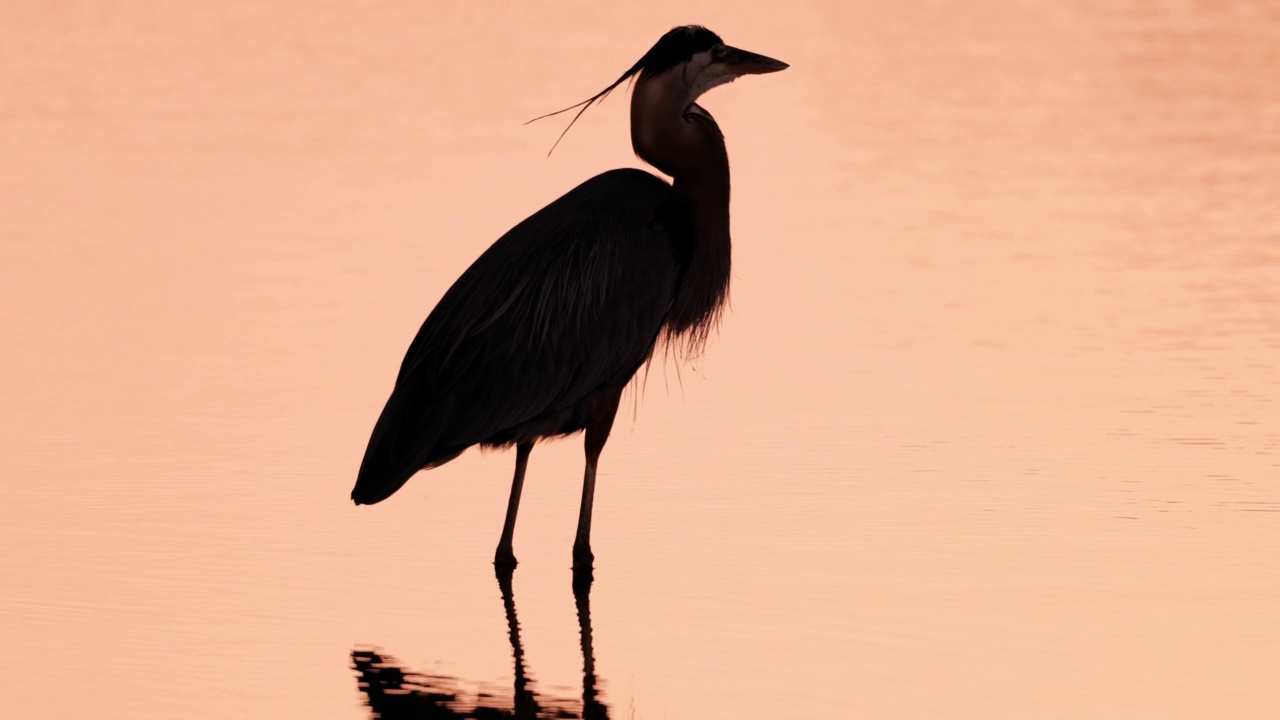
(541, 334)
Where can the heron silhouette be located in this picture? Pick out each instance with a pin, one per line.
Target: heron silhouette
(538, 338)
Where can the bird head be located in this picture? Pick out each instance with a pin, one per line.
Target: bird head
(685, 63)
(688, 61)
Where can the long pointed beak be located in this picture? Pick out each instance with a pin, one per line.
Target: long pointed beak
(744, 62)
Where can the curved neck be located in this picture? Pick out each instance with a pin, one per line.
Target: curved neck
(677, 137)
(674, 135)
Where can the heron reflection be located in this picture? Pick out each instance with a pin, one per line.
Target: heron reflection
(395, 693)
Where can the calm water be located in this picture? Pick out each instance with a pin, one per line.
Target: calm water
(991, 430)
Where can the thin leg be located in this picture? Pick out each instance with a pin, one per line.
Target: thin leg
(583, 559)
(505, 555)
(598, 427)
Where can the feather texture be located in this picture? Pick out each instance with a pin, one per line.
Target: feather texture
(566, 304)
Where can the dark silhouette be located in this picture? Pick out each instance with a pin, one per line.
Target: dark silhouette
(395, 694)
(541, 334)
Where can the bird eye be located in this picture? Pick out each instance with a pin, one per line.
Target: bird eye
(718, 53)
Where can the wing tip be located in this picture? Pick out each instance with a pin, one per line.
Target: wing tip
(370, 491)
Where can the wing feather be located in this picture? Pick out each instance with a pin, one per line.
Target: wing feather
(565, 303)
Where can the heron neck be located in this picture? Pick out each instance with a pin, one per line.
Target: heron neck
(703, 187)
(689, 147)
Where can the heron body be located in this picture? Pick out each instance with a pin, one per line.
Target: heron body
(538, 338)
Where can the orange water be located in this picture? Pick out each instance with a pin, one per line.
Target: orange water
(990, 432)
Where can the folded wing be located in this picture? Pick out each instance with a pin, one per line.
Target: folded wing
(565, 304)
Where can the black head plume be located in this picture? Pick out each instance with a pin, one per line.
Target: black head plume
(677, 46)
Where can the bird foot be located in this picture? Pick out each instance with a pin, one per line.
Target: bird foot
(583, 559)
(504, 558)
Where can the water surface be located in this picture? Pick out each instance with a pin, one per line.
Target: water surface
(990, 432)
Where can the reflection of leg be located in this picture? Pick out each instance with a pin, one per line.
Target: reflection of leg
(598, 427)
(526, 705)
(505, 555)
(592, 708)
